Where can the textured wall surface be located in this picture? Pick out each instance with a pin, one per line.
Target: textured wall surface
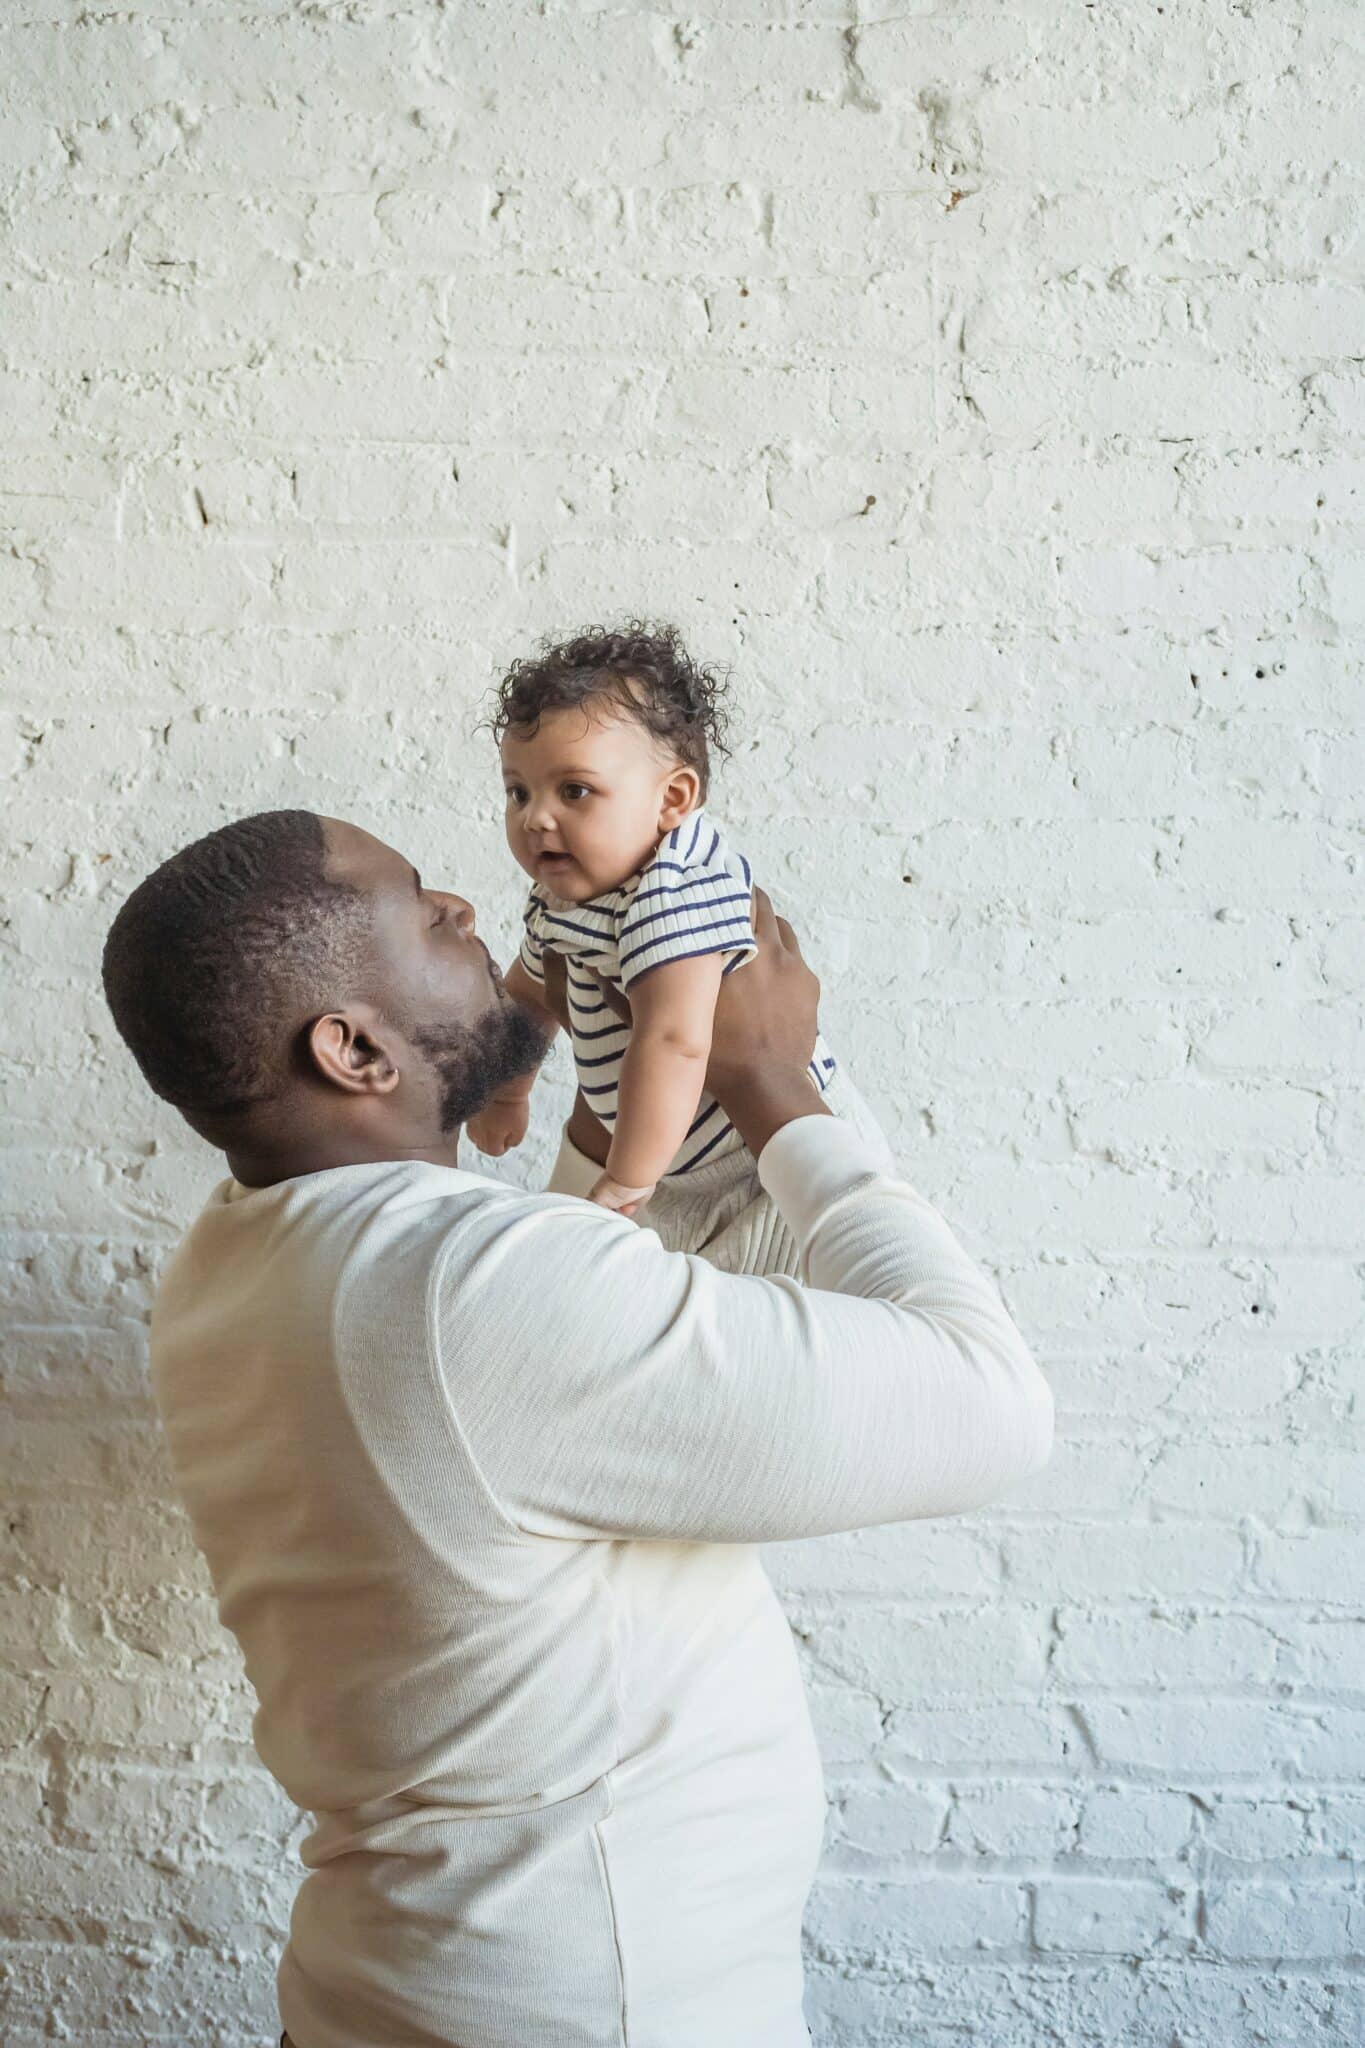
(985, 384)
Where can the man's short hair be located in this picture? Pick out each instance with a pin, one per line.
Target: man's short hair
(225, 948)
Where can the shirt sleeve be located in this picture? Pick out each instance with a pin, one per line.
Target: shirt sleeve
(680, 911)
(609, 1388)
(532, 953)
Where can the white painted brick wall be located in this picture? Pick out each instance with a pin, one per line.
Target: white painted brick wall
(984, 382)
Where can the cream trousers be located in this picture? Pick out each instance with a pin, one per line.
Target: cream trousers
(720, 1208)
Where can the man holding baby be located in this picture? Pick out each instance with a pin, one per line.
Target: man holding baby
(479, 1474)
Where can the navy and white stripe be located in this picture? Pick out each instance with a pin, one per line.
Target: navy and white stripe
(693, 897)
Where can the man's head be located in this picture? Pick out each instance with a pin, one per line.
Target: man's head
(292, 988)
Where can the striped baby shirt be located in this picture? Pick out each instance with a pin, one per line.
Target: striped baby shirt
(692, 897)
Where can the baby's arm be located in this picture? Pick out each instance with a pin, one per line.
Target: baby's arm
(673, 1009)
(502, 1121)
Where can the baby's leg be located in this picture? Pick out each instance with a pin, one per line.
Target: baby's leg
(582, 1153)
(573, 1173)
(725, 1216)
(756, 1240)
(736, 1225)
(733, 1225)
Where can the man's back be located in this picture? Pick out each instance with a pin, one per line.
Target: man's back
(564, 1781)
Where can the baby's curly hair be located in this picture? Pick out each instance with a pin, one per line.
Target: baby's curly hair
(644, 668)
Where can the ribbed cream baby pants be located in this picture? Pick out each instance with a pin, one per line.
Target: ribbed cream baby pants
(721, 1208)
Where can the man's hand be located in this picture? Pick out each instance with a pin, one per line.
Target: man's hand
(764, 1035)
(500, 1124)
(766, 1012)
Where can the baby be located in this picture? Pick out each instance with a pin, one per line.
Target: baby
(605, 761)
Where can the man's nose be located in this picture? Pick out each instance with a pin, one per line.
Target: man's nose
(461, 912)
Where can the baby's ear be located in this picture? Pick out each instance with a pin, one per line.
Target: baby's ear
(681, 795)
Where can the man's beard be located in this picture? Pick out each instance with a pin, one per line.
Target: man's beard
(471, 1062)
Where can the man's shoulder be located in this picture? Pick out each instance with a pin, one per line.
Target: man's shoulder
(420, 1229)
(530, 1263)
(338, 1205)
(385, 1228)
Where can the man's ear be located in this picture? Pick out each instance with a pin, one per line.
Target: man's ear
(681, 795)
(347, 1050)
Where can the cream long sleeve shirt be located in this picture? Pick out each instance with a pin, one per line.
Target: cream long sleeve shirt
(478, 1475)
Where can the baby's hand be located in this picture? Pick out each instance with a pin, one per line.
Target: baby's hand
(611, 1194)
(500, 1125)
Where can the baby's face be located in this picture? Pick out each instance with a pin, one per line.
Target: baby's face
(589, 796)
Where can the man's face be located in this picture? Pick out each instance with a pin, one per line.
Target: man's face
(434, 979)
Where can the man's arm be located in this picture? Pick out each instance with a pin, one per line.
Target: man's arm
(610, 1388)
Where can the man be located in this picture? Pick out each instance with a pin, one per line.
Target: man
(478, 1474)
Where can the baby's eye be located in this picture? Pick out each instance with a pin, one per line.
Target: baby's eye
(574, 790)
(515, 793)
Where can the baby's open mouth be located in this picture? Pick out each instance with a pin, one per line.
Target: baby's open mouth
(554, 860)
